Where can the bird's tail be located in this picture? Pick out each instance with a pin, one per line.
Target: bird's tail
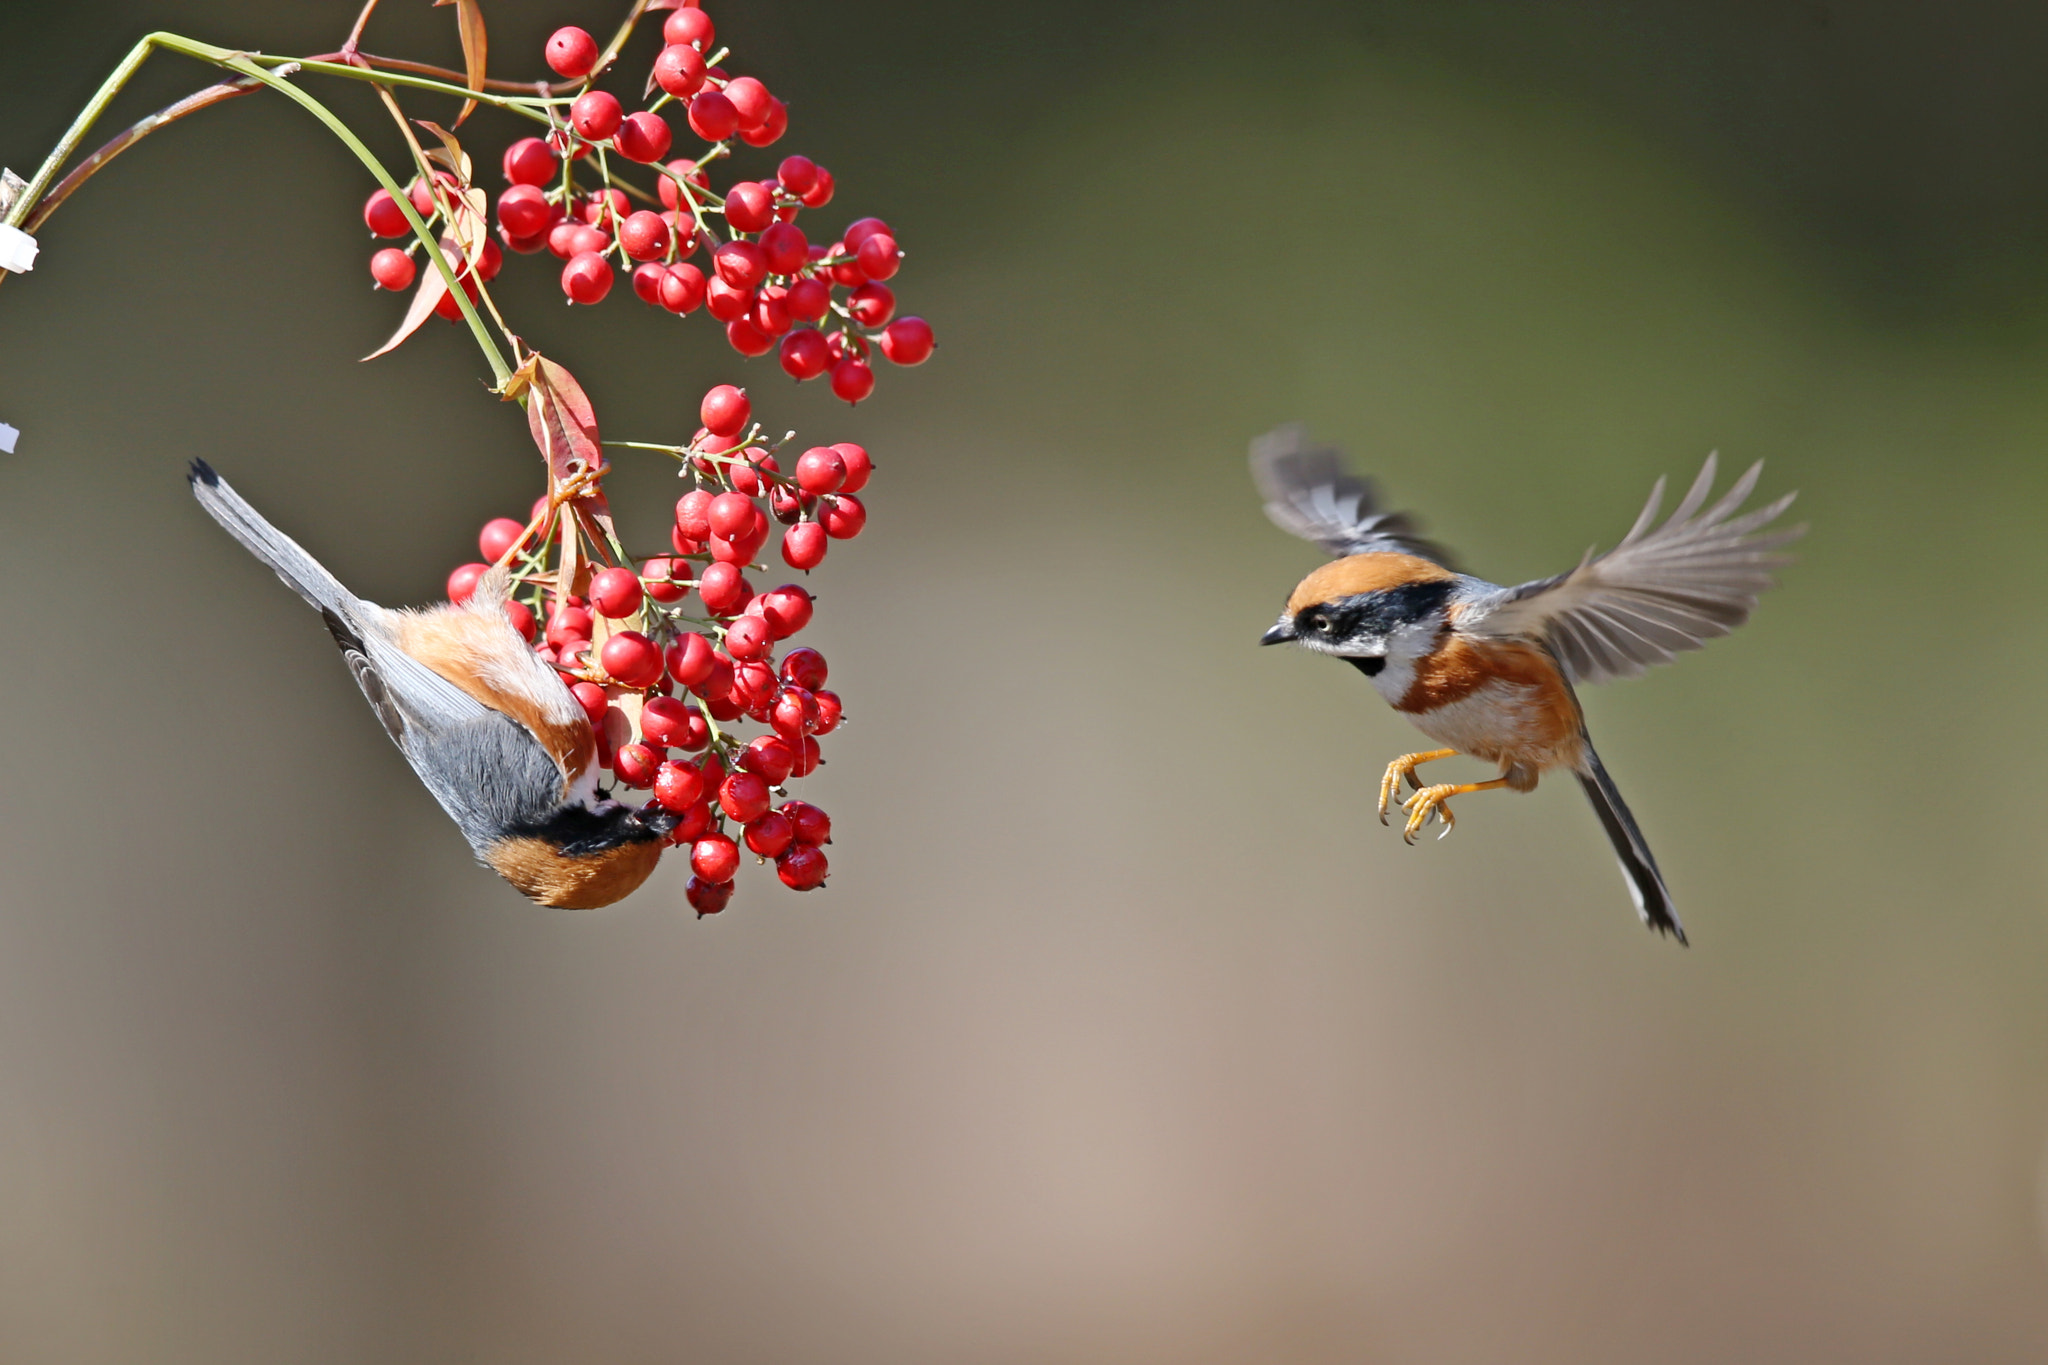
(300, 571)
(1631, 850)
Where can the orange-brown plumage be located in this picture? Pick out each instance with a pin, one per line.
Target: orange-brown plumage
(584, 883)
(463, 647)
(1355, 574)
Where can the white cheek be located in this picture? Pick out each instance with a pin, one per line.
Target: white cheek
(1394, 680)
(1404, 648)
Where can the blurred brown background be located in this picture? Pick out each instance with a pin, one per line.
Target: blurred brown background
(1124, 1032)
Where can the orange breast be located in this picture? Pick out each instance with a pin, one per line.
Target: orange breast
(1499, 700)
(543, 875)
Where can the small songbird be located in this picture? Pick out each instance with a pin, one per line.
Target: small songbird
(1489, 671)
(492, 731)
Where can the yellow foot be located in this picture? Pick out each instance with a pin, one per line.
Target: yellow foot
(1404, 766)
(1427, 802)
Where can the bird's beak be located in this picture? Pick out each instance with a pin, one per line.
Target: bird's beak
(1280, 634)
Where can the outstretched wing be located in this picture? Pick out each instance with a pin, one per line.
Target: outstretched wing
(1656, 594)
(1308, 493)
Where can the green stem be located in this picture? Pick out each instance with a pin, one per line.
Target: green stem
(19, 211)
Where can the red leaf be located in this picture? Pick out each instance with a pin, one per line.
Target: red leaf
(469, 20)
(428, 293)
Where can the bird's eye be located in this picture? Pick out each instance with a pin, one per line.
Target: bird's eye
(1325, 625)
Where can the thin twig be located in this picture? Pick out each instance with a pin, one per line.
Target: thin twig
(170, 113)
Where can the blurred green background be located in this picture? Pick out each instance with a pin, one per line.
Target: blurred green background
(1124, 1032)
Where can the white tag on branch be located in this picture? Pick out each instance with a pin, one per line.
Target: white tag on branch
(17, 250)
(8, 436)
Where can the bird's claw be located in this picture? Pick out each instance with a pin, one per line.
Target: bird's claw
(1425, 803)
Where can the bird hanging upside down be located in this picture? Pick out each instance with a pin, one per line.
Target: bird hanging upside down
(1489, 671)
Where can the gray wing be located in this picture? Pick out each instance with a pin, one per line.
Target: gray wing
(1308, 493)
(1654, 595)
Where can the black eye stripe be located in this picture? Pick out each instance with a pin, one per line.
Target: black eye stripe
(1375, 613)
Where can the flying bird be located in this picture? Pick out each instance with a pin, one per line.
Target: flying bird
(1491, 671)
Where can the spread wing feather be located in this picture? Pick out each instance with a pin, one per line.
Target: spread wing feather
(1658, 593)
(1308, 493)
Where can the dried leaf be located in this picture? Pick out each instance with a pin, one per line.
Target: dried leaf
(451, 155)
(428, 293)
(469, 20)
(563, 423)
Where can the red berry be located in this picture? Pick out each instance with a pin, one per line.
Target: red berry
(569, 238)
(658, 579)
(819, 194)
(730, 515)
(724, 590)
(631, 658)
(808, 757)
(803, 545)
(743, 796)
(858, 466)
(678, 786)
(682, 288)
(829, 712)
(587, 278)
(499, 535)
(392, 269)
(706, 898)
(568, 623)
(785, 248)
(860, 229)
(797, 174)
(740, 264)
(687, 170)
(852, 379)
(843, 516)
(794, 712)
(811, 824)
(770, 314)
(524, 211)
(847, 271)
(647, 280)
(615, 593)
(771, 834)
(821, 469)
(809, 299)
(715, 858)
(529, 162)
(726, 302)
(462, 583)
(693, 515)
(689, 26)
(747, 339)
(596, 115)
(521, 617)
(749, 207)
(636, 765)
(786, 609)
(908, 341)
(750, 101)
(384, 217)
(750, 637)
(712, 116)
(725, 411)
(802, 868)
(591, 698)
(666, 721)
(679, 70)
(769, 758)
(572, 53)
(695, 824)
(872, 305)
(644, 137)
(690, 659)
(879, 256)
(805, 668)
(754, 683)
(644, 235)
(771, 128)
(804, 353)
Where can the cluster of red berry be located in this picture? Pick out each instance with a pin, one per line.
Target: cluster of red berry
(631, 644)
(824, 308)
